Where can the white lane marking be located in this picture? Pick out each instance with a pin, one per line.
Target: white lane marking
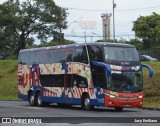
(35, 108)
(30, 107)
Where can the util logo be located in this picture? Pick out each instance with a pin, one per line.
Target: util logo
(87, 23)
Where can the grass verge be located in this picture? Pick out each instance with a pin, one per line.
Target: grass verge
(152, 102)
(8, 80)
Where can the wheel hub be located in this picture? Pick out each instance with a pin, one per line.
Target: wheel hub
(39, 100)
(87, 103)
(32, 99)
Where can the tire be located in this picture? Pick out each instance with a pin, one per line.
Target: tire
(86, 103)
(118, 109)
(32, 99)
(39, 101)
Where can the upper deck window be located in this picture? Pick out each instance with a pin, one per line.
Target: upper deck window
(122, 54)
(80, 55)
(24, 58)
(95, 53)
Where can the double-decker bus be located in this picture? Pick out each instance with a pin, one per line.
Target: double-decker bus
(91, 74)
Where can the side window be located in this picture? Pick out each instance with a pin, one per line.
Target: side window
(24, 58)
(63, 56)
(80, 81)
(60, 80)
(52, 56)
(56, 80)
(20, 58)
(70, 55)
(44, 57)
(69, 80)
(34, 59)
(55, 56)
(95, 53)
(80, 55)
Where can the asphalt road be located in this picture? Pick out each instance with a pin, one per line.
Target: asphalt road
(75, 115)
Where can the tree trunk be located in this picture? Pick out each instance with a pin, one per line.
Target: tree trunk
(22, 43)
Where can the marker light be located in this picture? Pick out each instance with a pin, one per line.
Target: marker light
(141, 96)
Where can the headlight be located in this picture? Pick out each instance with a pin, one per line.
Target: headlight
(112, 96)
(141, 96)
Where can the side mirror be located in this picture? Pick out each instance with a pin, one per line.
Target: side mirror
(105, 65)
(149, 69)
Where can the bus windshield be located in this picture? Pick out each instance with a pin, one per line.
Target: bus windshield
(125, 82)
(119, 55)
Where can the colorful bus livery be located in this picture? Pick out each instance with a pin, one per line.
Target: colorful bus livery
(96, 74)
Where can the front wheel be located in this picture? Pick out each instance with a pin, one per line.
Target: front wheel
(87, 103)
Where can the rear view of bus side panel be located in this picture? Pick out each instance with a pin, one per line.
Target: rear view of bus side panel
(24, 78)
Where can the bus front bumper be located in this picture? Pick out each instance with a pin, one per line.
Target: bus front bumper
(123, 102)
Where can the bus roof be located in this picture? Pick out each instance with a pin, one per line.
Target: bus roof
(111, 44)
(76, 45)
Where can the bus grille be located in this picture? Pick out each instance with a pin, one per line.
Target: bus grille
(127, 99)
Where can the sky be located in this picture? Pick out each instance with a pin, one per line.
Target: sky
(126, 11)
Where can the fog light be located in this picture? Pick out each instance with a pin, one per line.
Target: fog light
(110, 102)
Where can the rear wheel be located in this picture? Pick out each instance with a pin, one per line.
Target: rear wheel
(86, 103)
(32, 99)
(118, 108)
(39, 101)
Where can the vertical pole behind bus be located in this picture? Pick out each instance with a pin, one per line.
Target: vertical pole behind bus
(86, 47)
(87, 53)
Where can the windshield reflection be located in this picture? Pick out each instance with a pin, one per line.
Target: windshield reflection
(125, 82)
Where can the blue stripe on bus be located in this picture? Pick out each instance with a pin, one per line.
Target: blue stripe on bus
(24, 97)
(99, 101)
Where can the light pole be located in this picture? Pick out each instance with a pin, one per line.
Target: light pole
(85, 37)
(114, 5)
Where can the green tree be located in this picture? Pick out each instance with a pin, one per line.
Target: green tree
(137, 43)
(21, 20)
(147, 28)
